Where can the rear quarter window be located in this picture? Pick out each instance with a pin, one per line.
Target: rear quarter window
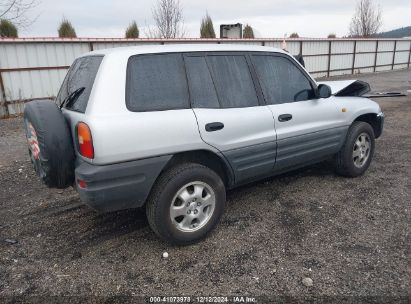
(82, 73)
(156, 83)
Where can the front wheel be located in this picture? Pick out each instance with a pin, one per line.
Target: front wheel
(186, 203)
(356, 154)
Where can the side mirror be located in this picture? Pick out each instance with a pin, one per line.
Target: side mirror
(324, 91)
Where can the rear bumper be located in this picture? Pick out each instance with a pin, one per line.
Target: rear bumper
(118, 186)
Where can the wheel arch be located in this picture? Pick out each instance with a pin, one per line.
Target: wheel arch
(212, 160)
(373, 120)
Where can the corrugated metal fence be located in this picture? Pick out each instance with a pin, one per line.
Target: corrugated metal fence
(34, 68)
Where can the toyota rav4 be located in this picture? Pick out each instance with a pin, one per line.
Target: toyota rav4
(171, 128)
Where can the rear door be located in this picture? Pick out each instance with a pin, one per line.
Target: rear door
(308, 128)
(229, 112)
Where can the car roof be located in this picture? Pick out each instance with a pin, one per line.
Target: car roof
(178, 48)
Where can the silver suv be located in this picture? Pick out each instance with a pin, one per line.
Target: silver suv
(172, 127)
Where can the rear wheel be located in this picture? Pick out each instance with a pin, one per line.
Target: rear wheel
(186, 203)
(356, 154)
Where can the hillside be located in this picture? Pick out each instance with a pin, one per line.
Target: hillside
(397, 33)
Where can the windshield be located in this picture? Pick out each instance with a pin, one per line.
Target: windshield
(79, 80)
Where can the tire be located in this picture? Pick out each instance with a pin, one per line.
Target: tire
(50, 143)
(163, 200)
(356, 154)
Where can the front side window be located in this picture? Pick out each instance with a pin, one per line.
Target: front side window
(76, 88)
(281, 81)
(232, 80)
(156, 83)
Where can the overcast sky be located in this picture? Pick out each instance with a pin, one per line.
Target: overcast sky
(269, 18)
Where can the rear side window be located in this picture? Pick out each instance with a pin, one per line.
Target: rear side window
(156, 83)
(202, 91)
(281, 80)
(76, 88)
(232, 80)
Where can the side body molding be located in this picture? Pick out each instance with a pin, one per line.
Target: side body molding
(308, 148)
(252, 162)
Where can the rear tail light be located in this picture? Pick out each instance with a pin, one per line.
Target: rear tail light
(85, 141)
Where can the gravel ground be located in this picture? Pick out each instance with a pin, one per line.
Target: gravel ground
(350, 236)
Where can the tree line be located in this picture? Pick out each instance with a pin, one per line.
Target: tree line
(169, 21)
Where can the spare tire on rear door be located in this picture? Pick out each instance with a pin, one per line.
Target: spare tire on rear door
(50, 143)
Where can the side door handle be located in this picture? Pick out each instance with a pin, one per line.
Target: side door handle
(285, 117)
(214, 126)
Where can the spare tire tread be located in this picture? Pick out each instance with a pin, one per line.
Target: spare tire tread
(55, 143)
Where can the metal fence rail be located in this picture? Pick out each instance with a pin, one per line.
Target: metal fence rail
(34, 68)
